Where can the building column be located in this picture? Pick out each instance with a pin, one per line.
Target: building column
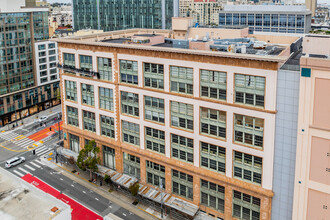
(196, 189)
(168, 179)
(228, 202)
(142, 171)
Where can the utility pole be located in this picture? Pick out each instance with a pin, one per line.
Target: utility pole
(59, 130)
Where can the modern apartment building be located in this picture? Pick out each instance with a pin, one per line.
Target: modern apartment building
(312, 181)
(108, 15)
(203, 12)
(200, 120)
(20, 95)
(46, 58)
(267, 18)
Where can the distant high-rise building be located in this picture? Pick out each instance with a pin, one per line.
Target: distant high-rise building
(111, 15)
(20, 28)
(267, 18)
(311, 5)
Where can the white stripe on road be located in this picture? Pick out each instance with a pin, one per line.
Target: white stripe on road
(18, 173)
(84, 192)
(61, 179)
(24, 141)
(45, 152)
(97, 199)
(39, 162)
(36, 165)
(27, 166)
(24, 170)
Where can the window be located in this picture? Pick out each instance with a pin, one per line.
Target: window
(104, 68)
(266, 20)
(72, 114)
(107, 126)
(249, 130)
(130, 103)
(155, 174)
(258, 19)
(275, 20)
(69, 60)
(251, 19)
(229, 19)
(42, 54)
(42, 60)
(89, 121)
(245, 206)
(41, 47)
(213, 157)
(131, 165)
(43, 67)
(213, 84)
(181, 79)
(129, 72)
(154, 109)
(292, 21)
(247, 167)
(109, 157)
(53, 58)
(212, 195)
(283, 20)
(154, 75)
(43, 73)
(131, 133)
(222, 19)
(155, 140)
(51, 45)
(300, 21)
(182, 148)
(106, 98)
(182, 184)
(182, 115)
(53, 77)
(87, 94)
(213, 122)
(51, 52)
(71, 90)
(74, 143)
(53, 71)
(243, 20)
(250, 90)
(86, 62)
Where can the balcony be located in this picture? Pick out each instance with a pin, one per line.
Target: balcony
(74, 70)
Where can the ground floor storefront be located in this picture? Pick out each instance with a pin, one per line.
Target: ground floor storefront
(211, 192)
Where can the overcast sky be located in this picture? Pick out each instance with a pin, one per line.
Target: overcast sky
(67, 1)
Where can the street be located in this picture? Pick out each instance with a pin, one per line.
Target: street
(21, 141)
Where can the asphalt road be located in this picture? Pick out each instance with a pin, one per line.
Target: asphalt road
(65, 185)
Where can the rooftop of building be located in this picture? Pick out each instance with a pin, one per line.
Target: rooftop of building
(266, 8)
(256, 47)
(20, 200)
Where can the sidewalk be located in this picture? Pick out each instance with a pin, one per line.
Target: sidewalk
(31, 119)
(117, 197)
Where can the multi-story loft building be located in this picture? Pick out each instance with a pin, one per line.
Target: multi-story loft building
(108, 15)
(312, 181)
(20, 94)
(46, 58)
(267, 18)
(203, 12)
(200, 120)
(311, 5)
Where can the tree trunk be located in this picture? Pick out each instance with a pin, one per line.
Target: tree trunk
(90, 175)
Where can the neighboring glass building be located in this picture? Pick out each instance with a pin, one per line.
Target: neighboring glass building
(111, 15)
(267, 18)
(19, 90)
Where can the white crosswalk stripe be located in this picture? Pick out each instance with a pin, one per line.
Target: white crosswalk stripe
(36, 165)
(27, 166)
(18, 173)
(17, 139)
(20, 168)
(39, 162)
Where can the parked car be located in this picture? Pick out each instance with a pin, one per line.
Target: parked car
(14, 161)
(43, 118)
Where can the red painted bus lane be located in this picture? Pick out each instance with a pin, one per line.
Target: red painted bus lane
(78, 211)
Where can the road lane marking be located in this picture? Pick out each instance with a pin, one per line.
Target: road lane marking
(18, 173)
(27, 166)
(72, 185)
(124, 214)
(20, 168)
(39, 162)
(35, 164)
(84, 192)
(97, 199)
(61, 179)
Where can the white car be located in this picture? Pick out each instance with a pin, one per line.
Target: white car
(43, 118)
(14, 161)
